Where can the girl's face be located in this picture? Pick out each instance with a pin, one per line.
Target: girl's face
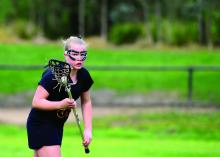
(76, 55)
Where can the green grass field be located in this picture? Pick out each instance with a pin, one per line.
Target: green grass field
(205, 83)
(165, 134)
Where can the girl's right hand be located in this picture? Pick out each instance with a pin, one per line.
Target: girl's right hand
(67, 103)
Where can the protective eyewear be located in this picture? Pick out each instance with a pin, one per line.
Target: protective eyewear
(76, 55)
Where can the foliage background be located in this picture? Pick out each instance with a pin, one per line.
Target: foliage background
(121, 33)
(161, 21)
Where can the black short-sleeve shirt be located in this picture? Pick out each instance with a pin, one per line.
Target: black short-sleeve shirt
(58, 93)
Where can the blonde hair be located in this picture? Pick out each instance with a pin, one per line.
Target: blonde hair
(75, 40)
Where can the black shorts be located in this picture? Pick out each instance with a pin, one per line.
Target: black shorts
(43, 134)
(45, 128)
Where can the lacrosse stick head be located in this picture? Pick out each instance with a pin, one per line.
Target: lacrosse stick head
(61, 70)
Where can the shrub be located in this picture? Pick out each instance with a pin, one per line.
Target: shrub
(184, 33)
(24, 30)
(175, 32)
(5, 35)
(125, 33)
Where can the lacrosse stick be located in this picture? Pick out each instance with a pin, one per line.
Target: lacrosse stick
(61, 71)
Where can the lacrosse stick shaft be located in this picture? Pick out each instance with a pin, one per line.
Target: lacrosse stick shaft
(61, 70)
(77, 120)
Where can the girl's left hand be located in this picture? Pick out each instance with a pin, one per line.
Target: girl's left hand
(87, 138)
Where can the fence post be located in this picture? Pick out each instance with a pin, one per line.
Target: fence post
(190, 86)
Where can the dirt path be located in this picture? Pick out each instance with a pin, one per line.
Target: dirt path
(19, 115)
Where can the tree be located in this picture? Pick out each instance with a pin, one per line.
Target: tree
(146, 21)
(6, 11)
(158, 19)
(206, 12)
(82, 17)
(104, 19)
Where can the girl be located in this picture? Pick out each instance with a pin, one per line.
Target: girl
(51, 105)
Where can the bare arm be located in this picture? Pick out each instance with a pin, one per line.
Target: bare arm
(87, 116)
(40, 101)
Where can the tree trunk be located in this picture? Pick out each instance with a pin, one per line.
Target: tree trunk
(82, 18)
(202, 23)
(202, 29)
(158, 19)
(149, 39)
(32, 13)
(104, 19)
(209, 34)
(40, 17)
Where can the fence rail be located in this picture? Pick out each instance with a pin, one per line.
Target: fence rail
(120, 68)
(189, 69)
